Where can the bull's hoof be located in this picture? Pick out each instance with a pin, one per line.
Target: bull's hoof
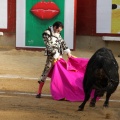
(92, 104)
(106, 105)
(80, 109)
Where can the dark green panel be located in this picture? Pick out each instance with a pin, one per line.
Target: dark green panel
(36, 26)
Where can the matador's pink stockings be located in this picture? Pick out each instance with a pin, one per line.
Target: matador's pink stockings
(40, 87)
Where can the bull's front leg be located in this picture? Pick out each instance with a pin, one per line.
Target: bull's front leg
(87, 96)
(106, 103)
(93, 101)
(81, 107)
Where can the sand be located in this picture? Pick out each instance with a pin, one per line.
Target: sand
(19, 72)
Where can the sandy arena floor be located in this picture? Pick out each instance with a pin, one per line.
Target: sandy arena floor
(19, 72)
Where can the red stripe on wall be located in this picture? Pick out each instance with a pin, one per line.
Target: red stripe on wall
(11, 17)
(75, 20)
(86, 17)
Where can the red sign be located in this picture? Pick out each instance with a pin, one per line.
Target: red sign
(45, 10)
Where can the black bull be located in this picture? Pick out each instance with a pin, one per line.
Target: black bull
(102, 75)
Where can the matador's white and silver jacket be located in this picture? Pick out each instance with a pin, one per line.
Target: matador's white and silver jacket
(55, 45)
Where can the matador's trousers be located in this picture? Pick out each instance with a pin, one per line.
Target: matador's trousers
(48, 66)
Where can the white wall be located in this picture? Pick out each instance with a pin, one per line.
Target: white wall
(3, 14)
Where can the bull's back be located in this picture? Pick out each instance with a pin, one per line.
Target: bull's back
(97, 61)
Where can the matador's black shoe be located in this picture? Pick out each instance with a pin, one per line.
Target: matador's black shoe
(38, 96)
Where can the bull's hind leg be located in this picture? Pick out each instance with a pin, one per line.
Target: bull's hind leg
(106, 103)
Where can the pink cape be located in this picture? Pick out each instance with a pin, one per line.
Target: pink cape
(67, 79)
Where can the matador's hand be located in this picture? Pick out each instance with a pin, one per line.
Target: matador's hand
(69, 55)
